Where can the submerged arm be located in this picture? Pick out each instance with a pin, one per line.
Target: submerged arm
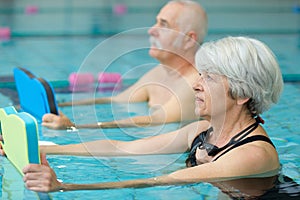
(129, 122)
(103, 100)
(139, 183)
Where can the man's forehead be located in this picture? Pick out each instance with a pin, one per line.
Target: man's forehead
(169, 13)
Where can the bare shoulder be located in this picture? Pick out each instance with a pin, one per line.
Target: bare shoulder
(257, 157)
(265, 151)
(195, 129)
(155, 73)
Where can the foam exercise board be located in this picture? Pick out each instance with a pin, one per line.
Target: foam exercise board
(20, 137)
(36, 95)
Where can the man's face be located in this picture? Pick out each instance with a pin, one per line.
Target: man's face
(165, 36)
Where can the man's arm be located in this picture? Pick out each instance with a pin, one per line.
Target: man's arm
(102, 100)
(135, 93)
(63, 122)
(173, 111)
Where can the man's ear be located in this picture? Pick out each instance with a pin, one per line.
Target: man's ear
(190, 39)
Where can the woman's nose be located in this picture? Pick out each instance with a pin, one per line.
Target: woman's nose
(197, 85)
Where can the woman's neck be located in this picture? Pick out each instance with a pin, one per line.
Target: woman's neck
(226, 127)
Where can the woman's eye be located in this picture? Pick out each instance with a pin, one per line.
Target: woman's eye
(208, 77)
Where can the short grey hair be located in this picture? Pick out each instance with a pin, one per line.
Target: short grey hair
(250, 67)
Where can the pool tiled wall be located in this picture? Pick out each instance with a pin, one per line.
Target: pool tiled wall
(81, 17)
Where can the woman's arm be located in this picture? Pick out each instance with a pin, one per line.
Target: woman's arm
(42, 178)
(172, 142)
(235, 165)
(252, 160)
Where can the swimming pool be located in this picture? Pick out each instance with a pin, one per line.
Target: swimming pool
(56, 57)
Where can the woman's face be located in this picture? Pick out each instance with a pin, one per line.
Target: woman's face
(211, 95)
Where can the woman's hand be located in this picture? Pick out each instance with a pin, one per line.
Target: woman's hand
(53, 121)
(40, 177)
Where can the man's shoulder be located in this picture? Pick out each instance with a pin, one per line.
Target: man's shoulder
(157, 68)
(154, 73)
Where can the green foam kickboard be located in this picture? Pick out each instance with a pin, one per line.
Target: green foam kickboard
(19, 131)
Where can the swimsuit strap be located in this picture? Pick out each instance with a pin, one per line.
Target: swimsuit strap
(248, 130)
(235, 139)
(234, 142)
(247, 140)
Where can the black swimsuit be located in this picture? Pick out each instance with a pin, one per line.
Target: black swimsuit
(236, 141)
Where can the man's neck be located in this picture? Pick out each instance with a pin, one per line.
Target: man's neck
(178, 67)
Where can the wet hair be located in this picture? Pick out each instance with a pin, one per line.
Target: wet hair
(250, 67)
(192, 17)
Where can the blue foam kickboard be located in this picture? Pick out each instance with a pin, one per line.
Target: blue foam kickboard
(20, 137)
(36, 95)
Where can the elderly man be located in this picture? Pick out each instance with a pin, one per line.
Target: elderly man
(179, 30)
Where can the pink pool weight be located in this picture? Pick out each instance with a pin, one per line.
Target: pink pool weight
(80, 82)
(5, 33)
(109, 78)
(109, 81)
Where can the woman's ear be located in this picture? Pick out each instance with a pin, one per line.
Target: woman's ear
(241, 101)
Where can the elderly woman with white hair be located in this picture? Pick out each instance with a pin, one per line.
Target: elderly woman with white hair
(239, 78)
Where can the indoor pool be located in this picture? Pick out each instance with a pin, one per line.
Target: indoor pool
(55, 58)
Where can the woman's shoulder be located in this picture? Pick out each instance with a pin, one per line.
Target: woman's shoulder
(196, 128)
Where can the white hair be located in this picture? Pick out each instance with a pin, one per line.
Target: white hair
(250, 67)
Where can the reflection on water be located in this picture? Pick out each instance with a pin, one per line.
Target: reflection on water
(275, 187)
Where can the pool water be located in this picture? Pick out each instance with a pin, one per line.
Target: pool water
(40, 56)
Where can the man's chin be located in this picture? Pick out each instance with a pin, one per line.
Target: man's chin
(153, 52)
